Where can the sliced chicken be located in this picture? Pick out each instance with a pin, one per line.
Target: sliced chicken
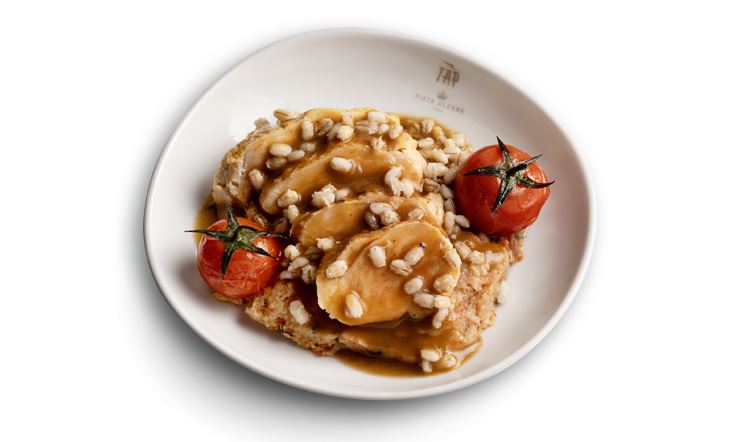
(231, 183)
(366, 171)
(345, 219)
(353, 290)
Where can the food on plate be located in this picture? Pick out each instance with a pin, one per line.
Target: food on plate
(500, 189)
(236, 257)
(369, 232)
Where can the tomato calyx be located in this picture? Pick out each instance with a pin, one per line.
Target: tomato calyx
(236, 236)
(510, 173)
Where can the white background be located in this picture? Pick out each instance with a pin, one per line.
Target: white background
(90, 350)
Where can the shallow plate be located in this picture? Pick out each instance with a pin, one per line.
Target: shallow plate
(354, 68)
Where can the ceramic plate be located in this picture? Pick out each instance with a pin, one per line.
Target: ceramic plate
(355, 68)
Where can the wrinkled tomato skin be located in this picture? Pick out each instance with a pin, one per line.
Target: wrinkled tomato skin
(248, 273)
(475, 194)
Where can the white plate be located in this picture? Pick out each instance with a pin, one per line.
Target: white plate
(353, 68)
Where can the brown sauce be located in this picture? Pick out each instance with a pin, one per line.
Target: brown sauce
(392, 367)
(396, 348)
(205, 217)
(379, 366)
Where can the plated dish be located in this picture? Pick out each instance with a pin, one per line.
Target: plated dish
(365, 231)
(393, 72)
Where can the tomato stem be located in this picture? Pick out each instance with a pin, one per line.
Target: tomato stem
(510, 173)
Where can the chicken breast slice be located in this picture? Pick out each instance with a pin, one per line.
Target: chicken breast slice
(353, 290)
(368, 170)
(345, 219)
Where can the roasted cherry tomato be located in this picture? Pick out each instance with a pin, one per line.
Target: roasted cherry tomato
(501, 190)
(236, 257)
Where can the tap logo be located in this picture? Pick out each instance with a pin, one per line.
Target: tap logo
(448, 74)
(443, 100)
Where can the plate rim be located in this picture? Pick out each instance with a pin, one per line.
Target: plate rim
(452, 385)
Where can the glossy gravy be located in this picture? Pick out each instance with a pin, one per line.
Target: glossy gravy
(380, 366)
(205, 217)
(392, 367)
(395, 344)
